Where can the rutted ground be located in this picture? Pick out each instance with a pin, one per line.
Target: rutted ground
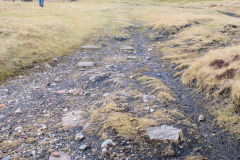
(124, 91)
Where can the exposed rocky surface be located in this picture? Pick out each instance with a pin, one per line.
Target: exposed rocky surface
(110, 108)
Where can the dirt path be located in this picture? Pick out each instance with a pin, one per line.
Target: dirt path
(125, 92)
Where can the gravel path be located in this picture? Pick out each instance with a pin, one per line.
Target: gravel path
(49, 114)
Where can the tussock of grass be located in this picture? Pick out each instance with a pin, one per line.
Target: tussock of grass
(157, 85)
(113, 117)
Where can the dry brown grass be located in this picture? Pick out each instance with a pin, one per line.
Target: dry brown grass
(158, 86)
(30, 34)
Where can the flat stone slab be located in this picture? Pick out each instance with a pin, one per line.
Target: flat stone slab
(127, 49)
(73, 119)
(132, 57)
(90, 47)
(164, 132)
(85, 64)
(62, 156)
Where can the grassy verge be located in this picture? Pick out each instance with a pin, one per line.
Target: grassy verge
(30, 34)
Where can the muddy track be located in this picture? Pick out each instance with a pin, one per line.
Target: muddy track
(44, 98)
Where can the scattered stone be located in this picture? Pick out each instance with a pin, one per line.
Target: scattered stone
(55, 154)
(61, 91)
(65, 110)
(201, 118)
(83, 147)
(90, 47)
(2, 116)
(151, 110)
(56, 60)
(164, 132)
(60, 156)
(106, 94)
(132, 57)
(150, 49)
(18, 110)
(43, 126)
(2, 106)
(18, 129)
(25, 137)
(6, 158)
(33, 152)
(127, 49)
(106, 143)
(120, 38)
(85, 64)
(77, 91)
(147, 98)
(72, 119)
(48, 66)
(79, 136)
(57, 80)
(37, 67)
(104, 151)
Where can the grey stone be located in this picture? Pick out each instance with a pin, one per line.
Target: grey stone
(104, 151)
(1, 116)
(83, 147)
(56, 60)
(6, 158)
(164, 132)
(18, 110)
(147, 98)
(79, 136)
(127, 49)
(90, 47)
(18, 129)
(48, 66)
(85, 64)
(121, 38)
(132, 57)
(106, 143)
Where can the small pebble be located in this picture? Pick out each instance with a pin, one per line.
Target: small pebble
(83, 147)
(55, 154)
(79, 136)
(18, 110)
(104, 151)
(201, 118)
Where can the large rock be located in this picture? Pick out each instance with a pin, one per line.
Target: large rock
(164, 132)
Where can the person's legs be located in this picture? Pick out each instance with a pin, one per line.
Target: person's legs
(41, 3)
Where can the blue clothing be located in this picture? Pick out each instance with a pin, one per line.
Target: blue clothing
(41, 3)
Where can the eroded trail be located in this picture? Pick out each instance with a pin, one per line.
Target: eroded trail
(115, 89)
